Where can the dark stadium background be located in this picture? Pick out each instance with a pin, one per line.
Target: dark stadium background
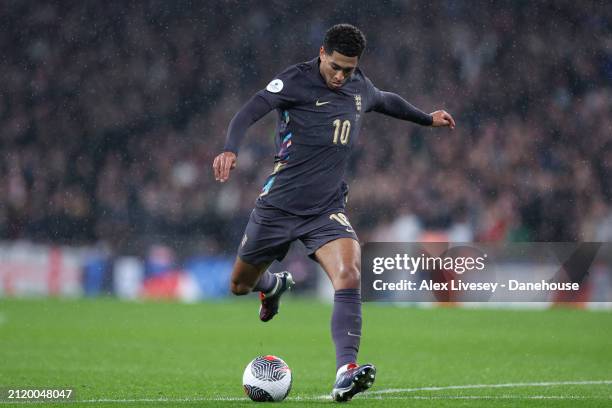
(111, 113)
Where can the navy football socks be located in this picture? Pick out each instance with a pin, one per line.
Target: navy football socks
(346, 325)
(266, 282)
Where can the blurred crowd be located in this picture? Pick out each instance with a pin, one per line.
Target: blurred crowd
(111, 113)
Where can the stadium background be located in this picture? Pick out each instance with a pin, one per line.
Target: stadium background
(111, 113)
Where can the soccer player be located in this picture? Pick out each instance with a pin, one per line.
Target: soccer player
(320, 106)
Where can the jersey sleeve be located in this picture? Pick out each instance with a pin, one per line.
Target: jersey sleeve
(374, 96)
(283, 91)
(391, 104)
(251, 112)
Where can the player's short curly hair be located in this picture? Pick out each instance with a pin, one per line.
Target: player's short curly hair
(346, 39)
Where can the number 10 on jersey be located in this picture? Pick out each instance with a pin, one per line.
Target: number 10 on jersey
(342, 129)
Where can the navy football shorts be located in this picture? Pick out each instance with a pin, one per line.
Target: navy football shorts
(271, 231)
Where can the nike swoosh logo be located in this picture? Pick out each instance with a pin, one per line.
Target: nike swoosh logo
(354, 335)
(321, 103)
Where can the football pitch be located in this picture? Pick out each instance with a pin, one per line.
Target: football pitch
(120, 354)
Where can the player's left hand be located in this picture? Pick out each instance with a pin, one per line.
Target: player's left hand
(442, 118)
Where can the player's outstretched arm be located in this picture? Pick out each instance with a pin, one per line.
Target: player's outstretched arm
(250, 113)
(442, 118)
(391, 104)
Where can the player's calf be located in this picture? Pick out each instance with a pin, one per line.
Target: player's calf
(245, 277)
(239, 288)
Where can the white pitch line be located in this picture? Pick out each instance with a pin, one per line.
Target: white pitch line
(365, 396)
(477, 386)
(484, 397)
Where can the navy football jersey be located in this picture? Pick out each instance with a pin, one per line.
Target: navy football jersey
(317, 129)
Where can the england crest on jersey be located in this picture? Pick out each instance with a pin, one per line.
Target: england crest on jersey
(358, 102)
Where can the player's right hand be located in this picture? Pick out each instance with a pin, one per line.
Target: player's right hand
(222, 165)
(442, 118)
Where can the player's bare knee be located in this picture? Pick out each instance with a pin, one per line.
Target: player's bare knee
(348, 276)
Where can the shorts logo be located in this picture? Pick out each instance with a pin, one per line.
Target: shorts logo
(343, 220)
(244, 241)
(275, 86)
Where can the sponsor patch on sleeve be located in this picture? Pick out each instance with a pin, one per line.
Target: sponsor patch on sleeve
(275, 86)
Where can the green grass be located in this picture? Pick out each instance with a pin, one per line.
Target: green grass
(191, 354)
